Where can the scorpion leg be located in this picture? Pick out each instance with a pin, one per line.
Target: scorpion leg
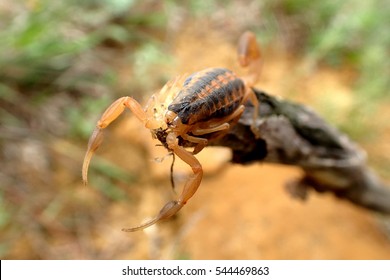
(111, 113)
(211, 129)
(190, 187)
(213, 126)
(218, 125)
(201, 142)
(252, 97)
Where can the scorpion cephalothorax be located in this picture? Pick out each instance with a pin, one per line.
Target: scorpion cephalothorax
(161, 135)
(189, 111)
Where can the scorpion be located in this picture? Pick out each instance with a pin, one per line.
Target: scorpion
(188, 112)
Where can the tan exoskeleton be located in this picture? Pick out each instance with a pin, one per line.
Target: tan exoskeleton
(189, 112)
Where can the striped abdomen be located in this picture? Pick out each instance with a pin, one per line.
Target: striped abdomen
(208, 94)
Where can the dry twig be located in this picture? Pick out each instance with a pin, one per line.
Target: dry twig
(294, 135)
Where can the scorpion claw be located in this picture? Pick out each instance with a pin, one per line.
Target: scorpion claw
(169, 209)
(94, 142)
(141, 227)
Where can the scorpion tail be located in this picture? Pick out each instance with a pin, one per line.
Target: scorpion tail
(249, 55)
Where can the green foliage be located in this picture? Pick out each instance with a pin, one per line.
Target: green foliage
(147, 58)
(354, 32)
(5, 216)
(38, 44)
(53, 46)
(339, 33)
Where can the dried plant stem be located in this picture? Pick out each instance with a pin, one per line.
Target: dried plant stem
(292, 134)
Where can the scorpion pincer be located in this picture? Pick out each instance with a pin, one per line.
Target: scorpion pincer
(189, 112)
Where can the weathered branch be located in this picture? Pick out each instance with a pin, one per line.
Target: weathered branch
(292, 134)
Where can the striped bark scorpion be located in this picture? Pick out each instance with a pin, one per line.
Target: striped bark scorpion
(189, 111)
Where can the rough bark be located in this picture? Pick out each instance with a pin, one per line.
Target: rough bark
(292, 134)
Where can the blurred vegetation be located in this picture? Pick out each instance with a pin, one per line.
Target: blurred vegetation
(50, 48)
(60, 63)
(347, 33)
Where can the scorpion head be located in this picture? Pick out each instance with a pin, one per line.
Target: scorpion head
(161, 135)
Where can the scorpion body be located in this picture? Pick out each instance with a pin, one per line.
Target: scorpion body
(208, 94)
(189, 112)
